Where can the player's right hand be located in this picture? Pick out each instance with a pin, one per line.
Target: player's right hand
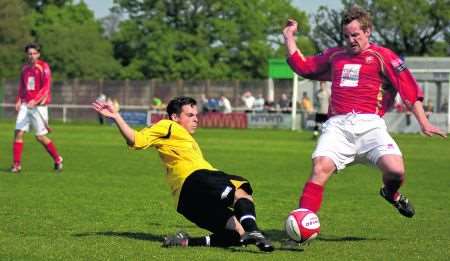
(291, 28)
(431, 130)
(104, 108)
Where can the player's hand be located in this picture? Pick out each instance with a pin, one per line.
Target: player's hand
(104, 108)
(290, 29)
(431, 130)
(31, 104)
(18, 104)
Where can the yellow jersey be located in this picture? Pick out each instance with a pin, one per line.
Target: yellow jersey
(178, 150)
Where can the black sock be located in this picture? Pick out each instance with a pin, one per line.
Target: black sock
(197, 241)
(244, 209)
(225, 238)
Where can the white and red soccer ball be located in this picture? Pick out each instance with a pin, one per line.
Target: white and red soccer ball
(302, 225)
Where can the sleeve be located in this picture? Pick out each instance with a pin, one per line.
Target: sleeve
(402, 79)
(312, 67)
(150, 136)
(44, 92)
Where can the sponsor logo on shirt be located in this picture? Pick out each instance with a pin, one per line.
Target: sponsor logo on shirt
(350, 75)
(369, 59)
(31, 83)
(398, 65)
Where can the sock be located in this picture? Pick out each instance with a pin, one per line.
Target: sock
(244, 209)
(391, 185)
(51, 149)
(225, 238)
(312, 197)
(17, 152)
(199, 241)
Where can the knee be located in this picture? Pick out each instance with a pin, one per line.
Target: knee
(18, 135)
(240, 193)
(42, 139)
(322, 170)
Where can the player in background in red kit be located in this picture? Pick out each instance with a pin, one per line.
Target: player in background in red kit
(31, 104)
(365, 79)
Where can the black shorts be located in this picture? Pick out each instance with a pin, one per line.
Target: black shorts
(207, 196)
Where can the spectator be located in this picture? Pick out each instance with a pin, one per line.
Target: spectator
(284, 103)
(270, 106)
(323, 100)
(204, 103)
(428, 108)
(248, 100)
(102, 98)
(258, 105)
(306, 103)
(444, 106)
(116, 104)
(213, 105)
(225, 104)
(157, 104)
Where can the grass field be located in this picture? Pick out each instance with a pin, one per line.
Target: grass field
(111, 203)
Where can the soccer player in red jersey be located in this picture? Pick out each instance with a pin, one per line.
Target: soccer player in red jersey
(365, 80)
(31, 104)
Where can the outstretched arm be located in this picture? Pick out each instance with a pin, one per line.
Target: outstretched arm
(427, 128)
(107, 110)
(289, 37)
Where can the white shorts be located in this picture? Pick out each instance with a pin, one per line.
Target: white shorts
(355, 138)
(36, 117)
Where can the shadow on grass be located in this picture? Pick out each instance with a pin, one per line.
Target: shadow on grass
(132, 235)
(280, 236)
(332, 238)
(281, 240)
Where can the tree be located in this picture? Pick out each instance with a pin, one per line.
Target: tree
(199, 39)
(110, 23)
(13, 37)
(409, 27)
(72, 42)
(39, 5)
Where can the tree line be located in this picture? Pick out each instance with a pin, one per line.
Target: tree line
(198, 39)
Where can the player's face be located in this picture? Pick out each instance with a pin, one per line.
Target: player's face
(33, 55)
(356, 39)
(188, 118)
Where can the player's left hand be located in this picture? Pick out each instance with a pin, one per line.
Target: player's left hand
(31, 104)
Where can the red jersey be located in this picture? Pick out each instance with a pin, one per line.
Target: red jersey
(35, 81)
(362, 83)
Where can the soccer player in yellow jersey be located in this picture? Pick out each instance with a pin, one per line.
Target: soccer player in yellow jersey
(212, 199)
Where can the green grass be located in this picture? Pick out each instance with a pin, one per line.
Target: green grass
(111, 203)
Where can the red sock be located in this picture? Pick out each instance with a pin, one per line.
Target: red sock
(51, 149)
(17, 152)
(312, 197)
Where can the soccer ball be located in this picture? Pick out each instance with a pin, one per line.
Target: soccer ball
(302, 225)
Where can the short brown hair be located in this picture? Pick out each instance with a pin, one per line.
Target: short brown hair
(32, 46)
(357, 13)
